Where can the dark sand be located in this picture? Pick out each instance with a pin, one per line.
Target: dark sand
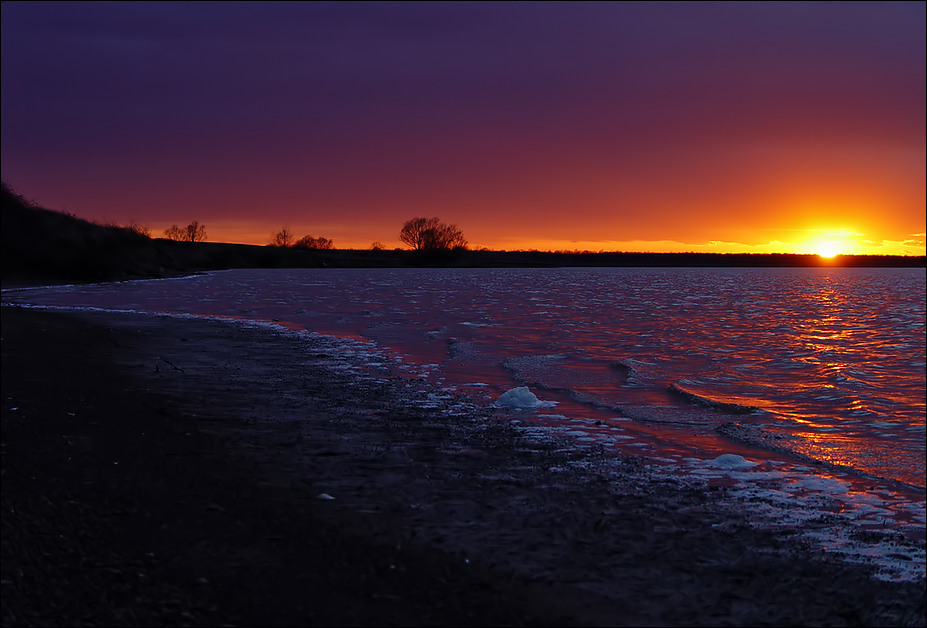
(161, 471)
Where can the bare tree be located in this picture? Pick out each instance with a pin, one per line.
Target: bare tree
(284, 237)
(377, 246)
(194, 232)
(430, 234)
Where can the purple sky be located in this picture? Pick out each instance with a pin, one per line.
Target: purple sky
(646, 126)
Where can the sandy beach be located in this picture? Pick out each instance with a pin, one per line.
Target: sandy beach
(169, 471)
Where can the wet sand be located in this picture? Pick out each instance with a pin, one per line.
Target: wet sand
(169, 471)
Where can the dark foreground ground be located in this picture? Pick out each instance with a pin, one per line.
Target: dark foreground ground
(154, 474)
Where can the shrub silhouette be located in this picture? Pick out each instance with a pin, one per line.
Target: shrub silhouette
(308, 242)
(137, 228)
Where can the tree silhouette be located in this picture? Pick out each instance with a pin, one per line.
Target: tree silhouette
(284, 237)
(430, 234)
(194, 232)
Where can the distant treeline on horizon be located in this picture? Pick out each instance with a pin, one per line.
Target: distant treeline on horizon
(643, 258)
(41, 245)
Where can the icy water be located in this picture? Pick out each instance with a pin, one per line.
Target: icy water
(790, 384)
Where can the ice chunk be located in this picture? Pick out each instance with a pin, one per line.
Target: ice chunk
(731, 461)
(521, 397)
(825, 485)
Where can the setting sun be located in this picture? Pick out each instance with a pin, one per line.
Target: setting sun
(828, 243)
(542, 137)
(828, 250)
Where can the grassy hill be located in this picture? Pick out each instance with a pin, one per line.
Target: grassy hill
(41, 245)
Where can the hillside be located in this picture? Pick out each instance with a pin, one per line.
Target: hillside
(41, 245)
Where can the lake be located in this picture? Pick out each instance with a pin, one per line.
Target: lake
(810, 382)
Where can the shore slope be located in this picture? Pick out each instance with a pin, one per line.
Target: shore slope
(164, 471)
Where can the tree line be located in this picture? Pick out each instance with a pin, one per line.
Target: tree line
(421, 234)
(285, 239)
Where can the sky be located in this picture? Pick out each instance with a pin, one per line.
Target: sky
(720, 127)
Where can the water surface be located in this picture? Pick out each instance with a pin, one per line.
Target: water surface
(789, 368)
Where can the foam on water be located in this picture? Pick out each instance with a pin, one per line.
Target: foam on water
(840, 515)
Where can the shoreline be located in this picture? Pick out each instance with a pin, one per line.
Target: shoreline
(435, 520)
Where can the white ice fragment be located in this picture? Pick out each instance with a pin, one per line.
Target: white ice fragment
(825, 485)
(521, 397)
(731, 461)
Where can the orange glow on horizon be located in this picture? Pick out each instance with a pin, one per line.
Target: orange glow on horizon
(718, 138)
(826, 243)
(834, 242)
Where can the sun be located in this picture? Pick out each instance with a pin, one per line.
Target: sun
(828, 249)
(830, 243)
